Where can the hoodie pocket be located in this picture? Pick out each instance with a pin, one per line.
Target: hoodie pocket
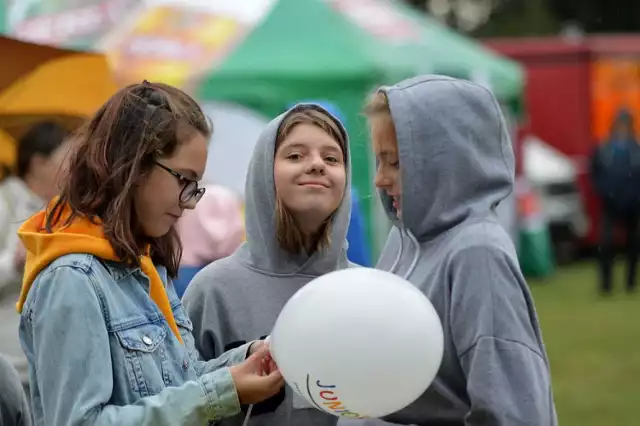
(145, 356)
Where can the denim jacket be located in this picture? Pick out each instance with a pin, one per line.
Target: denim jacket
(101, 353)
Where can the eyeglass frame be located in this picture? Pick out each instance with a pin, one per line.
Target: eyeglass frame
(197, 193)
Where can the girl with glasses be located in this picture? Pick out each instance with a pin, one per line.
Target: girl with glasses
(107, 339)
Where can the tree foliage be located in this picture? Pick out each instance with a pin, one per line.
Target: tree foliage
(535, 17)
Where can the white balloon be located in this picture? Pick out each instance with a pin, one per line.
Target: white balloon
(358, 342)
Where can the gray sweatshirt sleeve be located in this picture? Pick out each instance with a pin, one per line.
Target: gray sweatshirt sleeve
(204, 317)
(496, 333)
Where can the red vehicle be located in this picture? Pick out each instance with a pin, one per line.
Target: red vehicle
(574, 89)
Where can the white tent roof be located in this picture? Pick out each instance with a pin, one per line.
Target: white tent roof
(544, 164)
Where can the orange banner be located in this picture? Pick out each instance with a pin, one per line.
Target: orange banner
(615, 87)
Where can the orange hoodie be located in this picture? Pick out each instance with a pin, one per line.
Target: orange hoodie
(81, 236)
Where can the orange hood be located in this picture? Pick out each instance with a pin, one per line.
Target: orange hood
(81, 236)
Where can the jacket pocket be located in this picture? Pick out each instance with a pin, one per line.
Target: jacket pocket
(145, 355)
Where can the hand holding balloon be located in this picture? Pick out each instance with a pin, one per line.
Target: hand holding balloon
(358, 343)
(257, 378)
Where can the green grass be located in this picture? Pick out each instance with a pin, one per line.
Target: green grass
(593, 345)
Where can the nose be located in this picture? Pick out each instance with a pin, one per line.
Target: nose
(316, 165)
(189, 205)
(381, 180)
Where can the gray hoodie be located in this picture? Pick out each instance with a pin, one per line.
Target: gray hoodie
(457, 164)
(239, 298)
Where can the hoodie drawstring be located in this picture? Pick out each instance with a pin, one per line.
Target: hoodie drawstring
(248, 416)
(416, 256)
(399, 255)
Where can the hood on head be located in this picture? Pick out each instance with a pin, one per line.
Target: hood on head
(260, 210)
(455, 152)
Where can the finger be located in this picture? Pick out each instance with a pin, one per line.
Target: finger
(256, 362)
(268, 365)
(272, 383)
(255, 346)
(264, 367)
(274, 379)
(261, 352)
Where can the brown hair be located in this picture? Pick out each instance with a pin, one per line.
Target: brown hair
(288, 234)
(114, 152)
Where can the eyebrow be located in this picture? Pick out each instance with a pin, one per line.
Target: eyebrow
(303, 146)
(293, 145)
(188, 173)
(386, 153)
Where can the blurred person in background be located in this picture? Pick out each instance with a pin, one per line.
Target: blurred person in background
(212, 231)
(40, 156)
(615, 172)
(14, 406)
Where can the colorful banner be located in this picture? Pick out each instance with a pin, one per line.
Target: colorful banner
(615, 87)
(178, 44)
(71, 23)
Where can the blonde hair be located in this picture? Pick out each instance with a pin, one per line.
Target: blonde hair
(288, 234)
(377, 108)
(377, 104)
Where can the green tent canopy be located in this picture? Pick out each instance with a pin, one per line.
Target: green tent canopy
(318, 39)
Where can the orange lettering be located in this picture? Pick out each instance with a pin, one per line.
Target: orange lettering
(334, 405)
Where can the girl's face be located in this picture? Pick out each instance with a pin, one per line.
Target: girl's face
(310, 176)
(158, 202)
(385, 147)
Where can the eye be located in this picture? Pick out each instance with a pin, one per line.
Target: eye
(332, 160)
(395, 164)
(294, 157)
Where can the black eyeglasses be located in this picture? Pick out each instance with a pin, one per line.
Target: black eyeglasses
(190, 187)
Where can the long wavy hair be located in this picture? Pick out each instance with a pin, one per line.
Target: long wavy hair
(114, 153)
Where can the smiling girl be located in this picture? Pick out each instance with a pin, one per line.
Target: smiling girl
(297, 214)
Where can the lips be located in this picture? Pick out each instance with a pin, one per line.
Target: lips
(314, 184)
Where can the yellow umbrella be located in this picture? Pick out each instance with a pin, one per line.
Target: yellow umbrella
(7, 152)
(47, 83)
